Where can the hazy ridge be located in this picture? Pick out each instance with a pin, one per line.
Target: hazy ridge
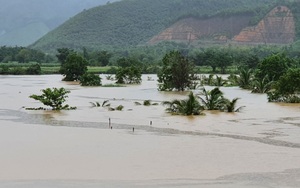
(24, 21)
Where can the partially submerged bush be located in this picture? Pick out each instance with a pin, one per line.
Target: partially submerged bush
(90, 79)
(54, 98)
(147, 102)
(120, 107)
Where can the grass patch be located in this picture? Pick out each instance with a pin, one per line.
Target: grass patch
(113, 85)
(98, 70)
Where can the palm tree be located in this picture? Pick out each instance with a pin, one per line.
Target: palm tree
(220, 81)
(97, 104)
(230, 106)
(262, 85)
(245, 78)
(212, 100)
(190, 106)
(232, 80)
(172, 106)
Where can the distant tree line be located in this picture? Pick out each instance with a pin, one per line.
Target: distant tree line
(23, 55)
(148, 59)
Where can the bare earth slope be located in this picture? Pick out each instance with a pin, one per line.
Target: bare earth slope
(278, 27)
(194, 29)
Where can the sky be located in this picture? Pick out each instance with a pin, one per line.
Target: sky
(25, 21)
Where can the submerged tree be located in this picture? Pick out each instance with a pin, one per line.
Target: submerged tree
(129, 75)
(230, 106)
(262, 85)
(105, 103)
(177, 72)
(54, 98)
(129, 71)
(245, 78)
(90, 79)
(287, 88)
(190, 106)
(274, 66)
(74, 67)
(212, 100)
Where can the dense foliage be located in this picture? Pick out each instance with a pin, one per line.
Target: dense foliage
(74, 67)
(22, 55)
(34, 69)
(196, 104)
(177, 72)
(54, 98)
(189, 106)
(90, 79)
(287, 88)
(129, 71)
(274, 66)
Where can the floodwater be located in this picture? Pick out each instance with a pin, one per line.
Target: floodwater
(257, 147)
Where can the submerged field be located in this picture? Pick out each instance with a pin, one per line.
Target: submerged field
(258, 147)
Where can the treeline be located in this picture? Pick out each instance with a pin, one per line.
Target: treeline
(217, 59)
(220, 58)
(22, 55)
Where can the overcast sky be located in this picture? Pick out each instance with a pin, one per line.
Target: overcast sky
(24, 21)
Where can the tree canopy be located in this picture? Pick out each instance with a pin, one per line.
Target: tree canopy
(74, 67)
(54, 98)
(129, 71)
(274, 66)
(177, 72)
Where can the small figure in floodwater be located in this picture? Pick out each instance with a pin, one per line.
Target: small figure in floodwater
(150, 122)
(133, 129)
(111, 127)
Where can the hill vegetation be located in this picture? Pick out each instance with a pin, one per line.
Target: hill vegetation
(131, 23)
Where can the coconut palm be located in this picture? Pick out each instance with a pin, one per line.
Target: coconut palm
(190, 106)
(208, 81)
(172, 106)
(245, 78)
(220, 81)
(212, 100)
(232, 80)
(230, 106)
(97, 104)
(262, 85)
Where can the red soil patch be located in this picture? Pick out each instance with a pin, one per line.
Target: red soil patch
(277, 27)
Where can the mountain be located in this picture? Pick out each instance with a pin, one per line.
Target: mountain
(24, 21)
(130, 23)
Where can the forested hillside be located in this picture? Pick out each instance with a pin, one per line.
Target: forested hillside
(24, 21)
(135, 22)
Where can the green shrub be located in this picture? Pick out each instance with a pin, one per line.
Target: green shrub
(54, 98)
(89, 79)
(34, 69)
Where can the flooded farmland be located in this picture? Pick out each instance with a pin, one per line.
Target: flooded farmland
(257, 147)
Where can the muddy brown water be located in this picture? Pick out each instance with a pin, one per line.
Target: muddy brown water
(257, 147)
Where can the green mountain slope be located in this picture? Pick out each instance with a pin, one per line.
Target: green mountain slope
(135, 22)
